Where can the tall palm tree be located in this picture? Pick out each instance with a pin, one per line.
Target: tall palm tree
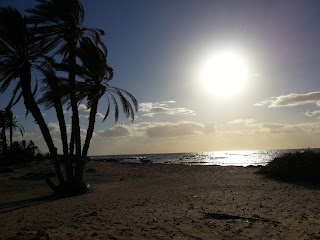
(62, 22)
(97, 74)
(19, 53)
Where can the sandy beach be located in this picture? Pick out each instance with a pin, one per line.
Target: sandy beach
(155, 201)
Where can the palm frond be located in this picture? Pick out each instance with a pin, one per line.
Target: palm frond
(108, 110)
(54, 88)
(116, 108)
(21, 130)
(14, 100)
(133, 99)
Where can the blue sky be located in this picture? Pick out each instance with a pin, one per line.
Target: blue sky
(158, 50)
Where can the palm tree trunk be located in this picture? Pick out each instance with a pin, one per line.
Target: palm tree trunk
(71, 145)
(75, 115)
(62, 126)
(4, 138)
(64, 139)
(73, 99)
(92, 120)
(11, 128)
(31, 105)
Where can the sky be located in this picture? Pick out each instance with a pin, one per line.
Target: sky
(159, 49)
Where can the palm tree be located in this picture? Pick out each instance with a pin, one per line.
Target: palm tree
(97, 74)
(62, 22)
(12, 124)
(19, 53)
(58, 26)
(7, 121)
(3, 125)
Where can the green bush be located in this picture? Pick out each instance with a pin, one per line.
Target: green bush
(303, 166)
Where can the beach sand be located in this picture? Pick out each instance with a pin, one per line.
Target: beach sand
(155, 201)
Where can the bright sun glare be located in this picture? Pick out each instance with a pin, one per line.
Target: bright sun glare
(225, 74)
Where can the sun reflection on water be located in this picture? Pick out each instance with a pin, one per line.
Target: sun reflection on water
(222, 158)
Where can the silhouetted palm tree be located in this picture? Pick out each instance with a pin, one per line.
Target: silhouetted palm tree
(58, 29)
(19, 53)
(62, 22)
(97, 74)
(13, 125)
(3, 125)
(7, 121)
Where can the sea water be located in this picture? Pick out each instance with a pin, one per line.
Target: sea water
(221, 158)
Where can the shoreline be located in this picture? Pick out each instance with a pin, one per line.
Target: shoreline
(159, 201)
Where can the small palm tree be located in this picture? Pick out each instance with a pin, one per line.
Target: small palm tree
(3, 125)
(13, 125)
(7, 121)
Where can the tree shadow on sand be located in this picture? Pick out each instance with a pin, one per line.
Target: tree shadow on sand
(13, 206)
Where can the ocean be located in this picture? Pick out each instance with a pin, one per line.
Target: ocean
(221, 158)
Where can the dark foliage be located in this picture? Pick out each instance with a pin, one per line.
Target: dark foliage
(21, 152)
(300, 166)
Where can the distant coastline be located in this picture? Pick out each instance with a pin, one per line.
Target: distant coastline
(221, 158)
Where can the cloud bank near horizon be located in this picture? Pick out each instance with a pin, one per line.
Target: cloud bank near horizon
(182, 128)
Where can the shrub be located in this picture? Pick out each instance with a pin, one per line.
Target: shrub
(20, 152)
(303, 166)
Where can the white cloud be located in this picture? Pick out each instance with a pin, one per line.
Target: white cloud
(313, 127)
(99, 115)
(291, 100)
(55, 131)
(83, 132)
(84, 112)
(273, 125)
(183, 128)
(116, 131)
(242, 121)
(310, 114)
(279, 128)
(251, 126)
(145, 107)
(53, 127)
(150, 109)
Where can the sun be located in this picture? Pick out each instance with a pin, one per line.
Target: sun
(225, 74)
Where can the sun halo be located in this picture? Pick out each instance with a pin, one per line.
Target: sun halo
(225, 74)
